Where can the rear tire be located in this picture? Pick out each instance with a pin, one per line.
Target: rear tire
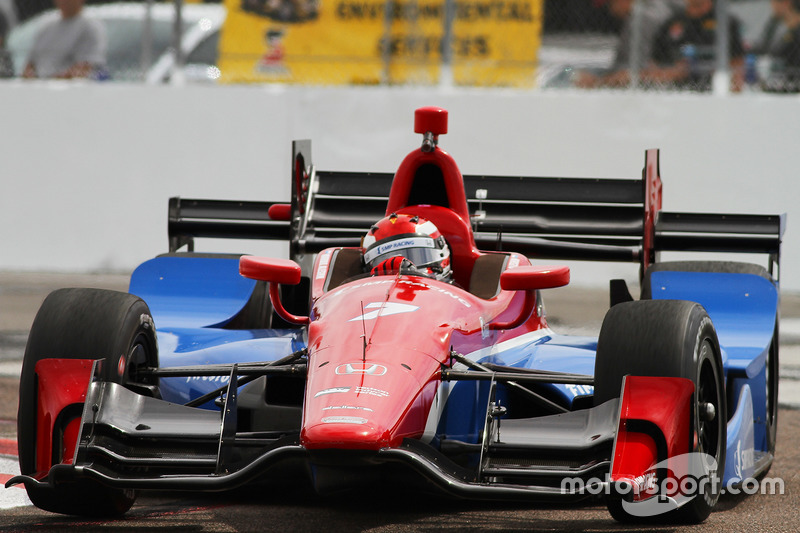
(84, 324)
(667, 338)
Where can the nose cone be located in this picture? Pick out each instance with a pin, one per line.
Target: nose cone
(356, 405)
(345, 432)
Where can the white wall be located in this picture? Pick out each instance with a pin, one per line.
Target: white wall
(87, 169)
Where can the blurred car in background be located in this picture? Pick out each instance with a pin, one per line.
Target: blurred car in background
(132, 56)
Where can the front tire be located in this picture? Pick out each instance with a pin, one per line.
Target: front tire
(668, 338)
(84, 324)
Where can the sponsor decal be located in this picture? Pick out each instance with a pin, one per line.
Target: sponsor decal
(343, 420)
(694, 475)
(401, 244)
(646, 483)
(334, 390)
(344, 289)
(384, 309)
(580, 390)
(346, 408)
(324, 262)
(213, 379)
(372, 392)
(743, 460)
(370, 369)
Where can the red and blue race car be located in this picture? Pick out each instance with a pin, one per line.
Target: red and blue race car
(406, 338)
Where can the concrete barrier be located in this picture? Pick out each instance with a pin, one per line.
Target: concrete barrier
(87, 168)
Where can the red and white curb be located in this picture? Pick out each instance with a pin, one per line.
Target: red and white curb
(9, 467)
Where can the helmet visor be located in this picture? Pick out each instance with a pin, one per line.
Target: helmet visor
(419, 250)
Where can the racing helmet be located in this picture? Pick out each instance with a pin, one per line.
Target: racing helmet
(411, 237)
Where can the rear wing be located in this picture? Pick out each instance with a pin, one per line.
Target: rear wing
(541, 217)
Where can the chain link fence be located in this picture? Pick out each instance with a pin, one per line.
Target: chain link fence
(661, 45)
(674, 45)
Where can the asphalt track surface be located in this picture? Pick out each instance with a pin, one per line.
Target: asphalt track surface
(292, 506)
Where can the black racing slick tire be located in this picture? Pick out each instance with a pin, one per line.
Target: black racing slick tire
(84, 324)
(668, 338)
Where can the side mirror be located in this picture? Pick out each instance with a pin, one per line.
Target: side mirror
(270, 269)
(534, 278)
(530, 279)
(275, 271)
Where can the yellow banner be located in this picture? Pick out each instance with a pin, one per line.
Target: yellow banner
(334, 42)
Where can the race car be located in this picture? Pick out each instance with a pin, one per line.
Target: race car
(405, 339)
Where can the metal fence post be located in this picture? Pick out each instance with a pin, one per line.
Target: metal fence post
(446, 68)
(146, 58)
(177, 34)
(386, 50)
(721, 82)
(635, 53)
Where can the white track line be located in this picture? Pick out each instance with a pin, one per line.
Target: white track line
(15, 496)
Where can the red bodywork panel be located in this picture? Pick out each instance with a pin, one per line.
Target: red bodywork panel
(61, 383)
(655, 424)
(452, 219)
(407, 173)
(275, 270)
(376, 345)
(376, 348)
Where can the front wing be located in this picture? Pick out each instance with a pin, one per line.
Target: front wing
(132, 441)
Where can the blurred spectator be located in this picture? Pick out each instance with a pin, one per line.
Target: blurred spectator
(71, 47)
(6, 65)
(773, 29)
(653, 14)
(684, 49)
(28, 8)
(577, 16)
(783, 52)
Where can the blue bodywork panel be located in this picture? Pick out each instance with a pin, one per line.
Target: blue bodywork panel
(191, 299)
(744, 310)
(739, 459)
(192, 291)
(464, 415)
(211, 346)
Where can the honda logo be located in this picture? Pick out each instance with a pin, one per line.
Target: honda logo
(370, 369)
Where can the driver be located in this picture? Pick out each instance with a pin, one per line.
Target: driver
(406, 242)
